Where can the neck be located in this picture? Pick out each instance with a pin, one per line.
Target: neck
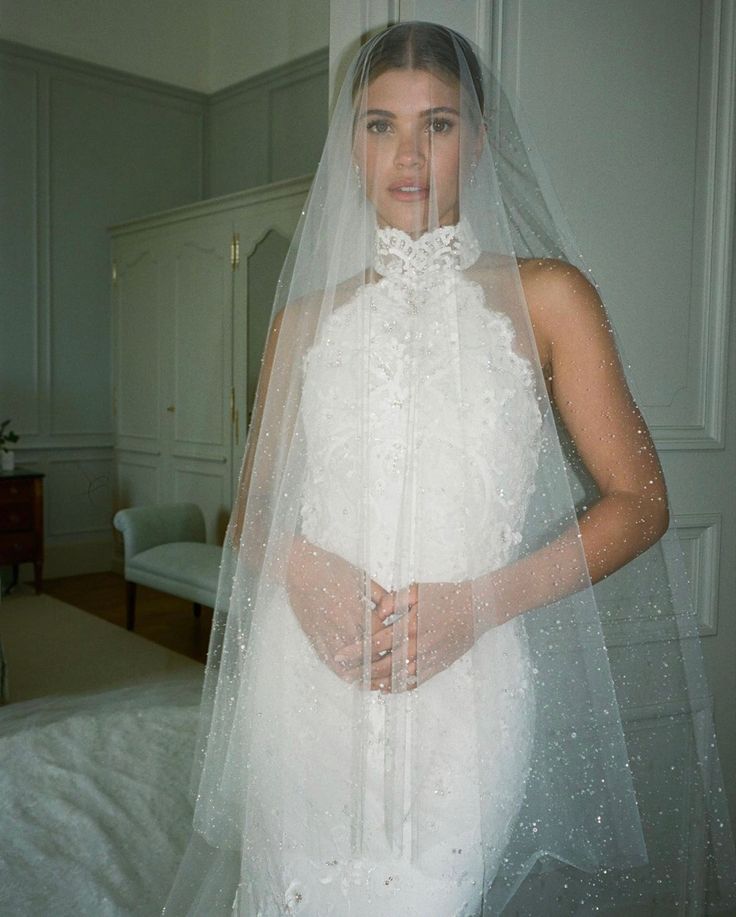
(448, 246)
(415, 234)
(447, 219)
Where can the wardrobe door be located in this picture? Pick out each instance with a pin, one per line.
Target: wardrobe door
(139, 296)
(197, 364)
(263, 230)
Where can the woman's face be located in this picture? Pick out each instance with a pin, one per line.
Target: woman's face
(407, 147)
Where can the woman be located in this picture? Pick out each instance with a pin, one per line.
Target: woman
(409, 708)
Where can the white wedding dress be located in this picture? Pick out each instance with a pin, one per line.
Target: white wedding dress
(299, 855)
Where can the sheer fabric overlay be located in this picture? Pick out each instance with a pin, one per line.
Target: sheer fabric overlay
(404, 449)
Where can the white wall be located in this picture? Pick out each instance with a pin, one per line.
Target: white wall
(249, 36)
(198, 44)
(164, 40)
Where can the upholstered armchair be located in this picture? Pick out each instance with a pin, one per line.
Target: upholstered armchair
(165, 549)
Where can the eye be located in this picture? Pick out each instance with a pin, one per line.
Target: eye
(440, 125)
(379, 126)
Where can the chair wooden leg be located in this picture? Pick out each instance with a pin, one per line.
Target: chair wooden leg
(130, 604)
(197, 609)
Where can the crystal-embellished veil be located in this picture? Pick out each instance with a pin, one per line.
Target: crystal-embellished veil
(410, 706)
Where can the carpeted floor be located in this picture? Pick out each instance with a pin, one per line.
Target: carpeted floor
(53, 648)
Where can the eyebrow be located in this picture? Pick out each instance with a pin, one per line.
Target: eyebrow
(440, 109)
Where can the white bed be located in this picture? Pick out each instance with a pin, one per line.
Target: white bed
(94, 810)
(94, 791)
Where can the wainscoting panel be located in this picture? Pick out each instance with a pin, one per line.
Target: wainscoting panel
(79, 487)
(650, 193)
(208, 485)
(138, 480)
(268, 128)
(20, 341)
(116, 153)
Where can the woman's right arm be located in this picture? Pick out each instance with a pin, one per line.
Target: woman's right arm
(326, 592)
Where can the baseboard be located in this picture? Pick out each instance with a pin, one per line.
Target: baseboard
(73, 558)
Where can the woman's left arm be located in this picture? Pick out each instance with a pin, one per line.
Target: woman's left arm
(589, 390)
(588, 387)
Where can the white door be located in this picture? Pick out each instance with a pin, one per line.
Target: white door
(173, 368)
(263, 229)
(198, 368)
(139, 294)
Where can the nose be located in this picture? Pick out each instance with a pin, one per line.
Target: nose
(409, 151)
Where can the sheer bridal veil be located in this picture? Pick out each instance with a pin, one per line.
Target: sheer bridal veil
(406, 472)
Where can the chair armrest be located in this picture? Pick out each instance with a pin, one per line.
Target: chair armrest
(145, 527)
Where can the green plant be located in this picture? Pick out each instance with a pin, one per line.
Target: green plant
(7, 436)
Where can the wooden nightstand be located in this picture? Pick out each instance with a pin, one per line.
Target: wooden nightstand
(21, 521)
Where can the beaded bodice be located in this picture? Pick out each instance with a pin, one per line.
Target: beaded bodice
(421, 420)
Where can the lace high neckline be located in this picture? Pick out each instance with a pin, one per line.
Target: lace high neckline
(452, 247)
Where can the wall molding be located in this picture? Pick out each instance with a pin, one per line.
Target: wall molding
(48, 70)
(692, 557)
(250, 197)
(51, 59)
(703, 424)
(710, 299)
(302, 68)
(700, 538)
(89, 468)
(74, 558)
(22, 82)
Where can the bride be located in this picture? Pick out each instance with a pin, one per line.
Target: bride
(408, 707)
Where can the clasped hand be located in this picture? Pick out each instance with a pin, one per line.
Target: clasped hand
(327, 594)
(440, 627)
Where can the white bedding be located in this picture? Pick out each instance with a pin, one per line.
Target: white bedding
(94, 804)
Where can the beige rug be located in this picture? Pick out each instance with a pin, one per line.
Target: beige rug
(54, 648)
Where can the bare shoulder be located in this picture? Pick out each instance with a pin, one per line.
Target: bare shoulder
(563, 303)
(316, 300)
(554, 284)
(289, 324)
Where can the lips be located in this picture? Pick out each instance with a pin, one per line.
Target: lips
(408, 191)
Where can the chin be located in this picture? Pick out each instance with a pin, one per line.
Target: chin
(413, 223)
